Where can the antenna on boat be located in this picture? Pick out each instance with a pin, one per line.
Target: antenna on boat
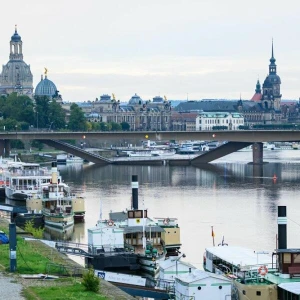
(144, 234)
(100, 211)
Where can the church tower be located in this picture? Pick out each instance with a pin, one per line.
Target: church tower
(16, 75)
(271, 97)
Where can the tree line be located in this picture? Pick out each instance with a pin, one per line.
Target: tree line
(20, 112)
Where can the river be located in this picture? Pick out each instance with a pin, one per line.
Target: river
(225, 194)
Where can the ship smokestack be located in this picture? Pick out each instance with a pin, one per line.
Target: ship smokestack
(135, 192)
(54, 172)
(282, 224)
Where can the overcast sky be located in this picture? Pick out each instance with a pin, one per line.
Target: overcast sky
(193, 48)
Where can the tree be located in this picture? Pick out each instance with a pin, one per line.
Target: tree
(77, 119)
(37, 144)
(125, 126)
(17, 144)
(115, 126)
(19, 108)
(56, 116)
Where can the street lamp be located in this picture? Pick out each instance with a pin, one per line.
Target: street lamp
(37, 121)
(176, 261)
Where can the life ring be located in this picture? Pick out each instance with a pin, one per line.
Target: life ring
(166, 221)
(110, 223)
(263, 270)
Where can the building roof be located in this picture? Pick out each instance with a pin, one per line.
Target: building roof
(135, 99)
(207, 105)
(256, 97)
(45, 87)
(15, 37)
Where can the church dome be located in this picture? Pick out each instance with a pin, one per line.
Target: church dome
(45, 88)
(272, 79)
(16, 37)
(135, 99)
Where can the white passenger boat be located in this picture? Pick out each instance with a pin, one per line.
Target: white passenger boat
(23, 180)
(67, 159)
(151, 153)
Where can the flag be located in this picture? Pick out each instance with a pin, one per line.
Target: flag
(212, 232)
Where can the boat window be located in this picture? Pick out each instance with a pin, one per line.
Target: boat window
(296, 258)
(134, 235)
(138, 214)
(287, 258)
(130, 214)
(159, 234)
(153, 234)
(128, 235)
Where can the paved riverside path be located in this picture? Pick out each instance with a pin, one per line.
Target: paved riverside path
(10, 288)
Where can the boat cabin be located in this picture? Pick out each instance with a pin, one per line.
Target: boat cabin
(289, 262)
(137, 225)
(198, 285)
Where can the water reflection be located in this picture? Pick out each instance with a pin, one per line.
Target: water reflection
(225, 194)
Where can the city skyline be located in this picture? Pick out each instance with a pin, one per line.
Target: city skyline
(191, 49)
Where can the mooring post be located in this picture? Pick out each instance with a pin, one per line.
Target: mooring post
(257, 151)
(13, 246)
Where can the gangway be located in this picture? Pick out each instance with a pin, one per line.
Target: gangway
(77, 151)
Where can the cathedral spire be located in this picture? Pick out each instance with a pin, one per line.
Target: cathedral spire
(272, 66)
(258, 87)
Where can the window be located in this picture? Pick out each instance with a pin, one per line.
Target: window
(258, 293)
(287, 258)
(130, 214)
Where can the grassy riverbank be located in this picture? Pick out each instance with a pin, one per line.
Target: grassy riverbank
(34, 257)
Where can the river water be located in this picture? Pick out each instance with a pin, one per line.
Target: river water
(225, 194)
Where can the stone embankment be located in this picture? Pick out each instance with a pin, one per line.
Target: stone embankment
(12, 285)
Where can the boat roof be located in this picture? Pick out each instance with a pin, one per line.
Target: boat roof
(292, 287)
(291, 250)
(133, 229)
(118, 216)
(171, 262)
(242, 257)
(198, 275)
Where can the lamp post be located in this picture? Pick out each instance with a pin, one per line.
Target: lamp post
(176, 261)
(37, 121)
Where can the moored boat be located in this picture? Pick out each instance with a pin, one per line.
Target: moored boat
(151, 239)
(23, 180)
(264, 275)
(56, 203)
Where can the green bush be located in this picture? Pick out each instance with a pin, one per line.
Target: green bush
(90, 281)
(36, 232)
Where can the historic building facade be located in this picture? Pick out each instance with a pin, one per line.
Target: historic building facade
(16, 75)
(263, 108)
(210, 121)
(139, 114)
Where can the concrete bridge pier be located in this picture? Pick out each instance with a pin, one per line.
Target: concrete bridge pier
(4, 148)
(257, 152)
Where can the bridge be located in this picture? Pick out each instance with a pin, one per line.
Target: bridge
(235, 140)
